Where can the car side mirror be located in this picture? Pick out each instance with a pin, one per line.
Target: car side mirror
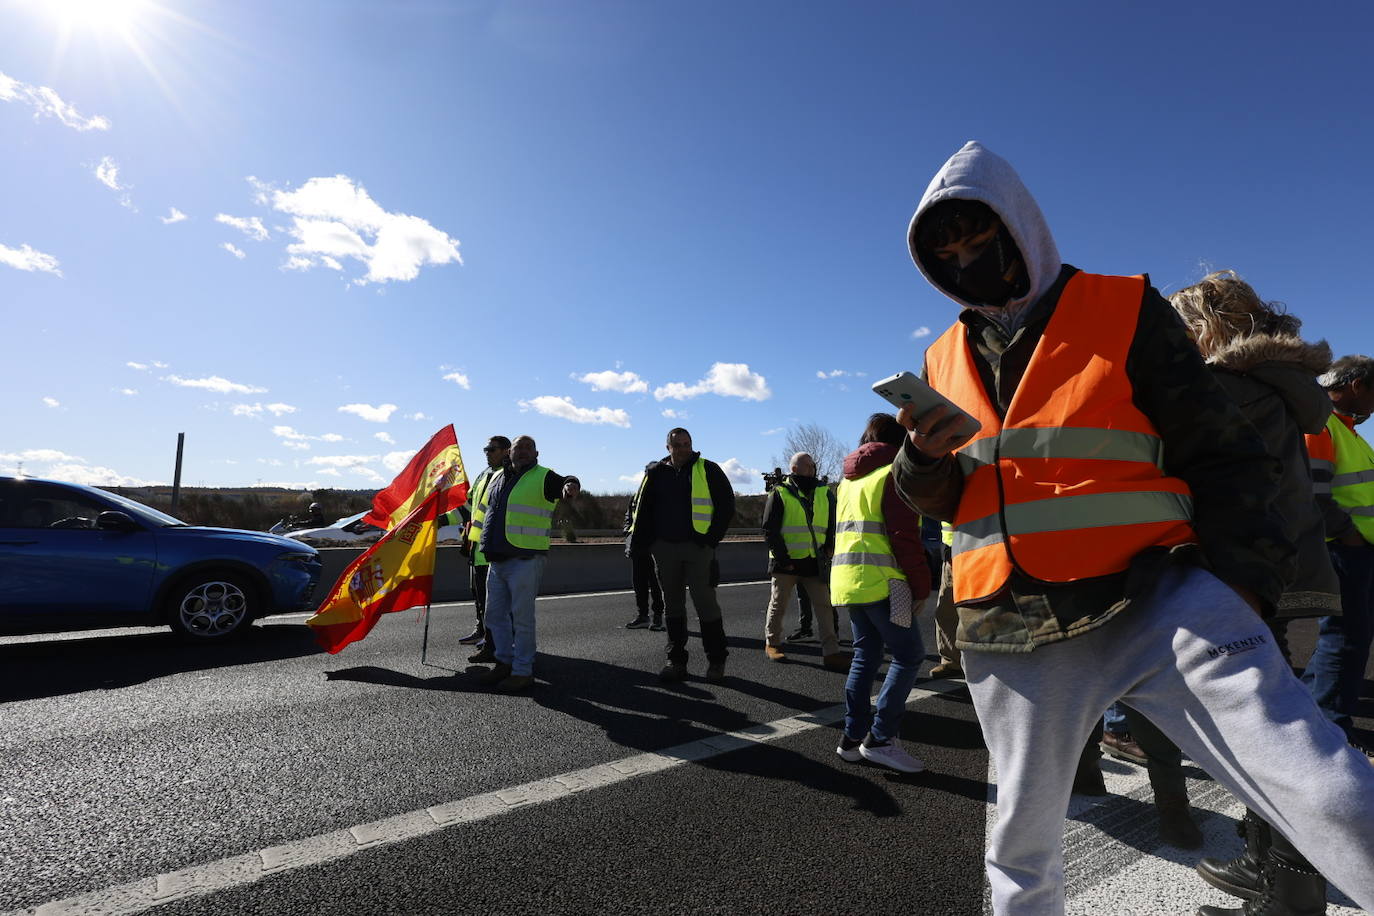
(115, 521)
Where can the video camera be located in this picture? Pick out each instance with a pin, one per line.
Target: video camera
(776, 476)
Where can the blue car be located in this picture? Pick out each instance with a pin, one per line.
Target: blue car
(73, 557)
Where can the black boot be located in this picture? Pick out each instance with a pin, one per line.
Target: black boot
(676, 668)
(1176, 825)
(1291, 886)
(1240, 877)
(713, 643)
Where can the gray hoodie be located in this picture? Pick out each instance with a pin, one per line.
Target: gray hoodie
(974, 173)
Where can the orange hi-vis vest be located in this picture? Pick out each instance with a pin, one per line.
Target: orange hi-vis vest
(1070, 484)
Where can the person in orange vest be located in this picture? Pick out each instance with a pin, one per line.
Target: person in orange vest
(1343, 478)
(1113, 539)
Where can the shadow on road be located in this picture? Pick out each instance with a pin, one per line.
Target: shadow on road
(52, 668)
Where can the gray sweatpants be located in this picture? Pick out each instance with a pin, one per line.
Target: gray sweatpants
(1196, 661)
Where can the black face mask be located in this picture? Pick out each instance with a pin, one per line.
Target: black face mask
(984, 281)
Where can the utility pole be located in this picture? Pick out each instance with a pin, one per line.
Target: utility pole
(176, 476)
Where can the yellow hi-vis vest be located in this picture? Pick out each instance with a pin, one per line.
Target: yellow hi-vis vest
(804, 536)
(947, 534)
(702, 507)
(479, 498)
(529, 516)
(863, 561)
(1352, 485)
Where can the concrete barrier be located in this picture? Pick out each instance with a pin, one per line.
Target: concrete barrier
(571, 568)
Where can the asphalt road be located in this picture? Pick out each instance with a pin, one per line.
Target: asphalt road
(267, 777)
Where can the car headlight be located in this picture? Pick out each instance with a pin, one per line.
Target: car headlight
(299, 559)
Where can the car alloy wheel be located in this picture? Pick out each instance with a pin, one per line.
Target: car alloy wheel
(213, 608)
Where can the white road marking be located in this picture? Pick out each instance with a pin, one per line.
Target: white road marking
(238, 871)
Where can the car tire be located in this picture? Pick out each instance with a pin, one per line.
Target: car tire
(212, 606)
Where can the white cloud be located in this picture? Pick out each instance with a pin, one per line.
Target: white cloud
(379, 414)
(158, 365)
(330, 437)
(920, 332)
(333, 218)
(107, 171)
(459, 379)
(287, 485)
(565, 408)
(52, 402)
(41, 455)
(833, 373)
(674, 414)
(213, 383)
(341, 461)
(138, 366)
(774, 431)
(332, 472)
(254, 410)
(274, 462)
(286, 432)
(626, 382)
(384, 437)
(128, 391)
(417, 415)
(633, 479)
(174, 216)
(749, 480)
(26, 258)
(395, 461)
(232, 249)
(297, 446)
(250, 226)
(93, 476)
(725, 379)
(47, 103)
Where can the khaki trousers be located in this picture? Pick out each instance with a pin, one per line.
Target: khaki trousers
(821, 609)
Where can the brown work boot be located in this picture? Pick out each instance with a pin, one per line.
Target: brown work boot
(1121, 744)
(774, 654)
(494, 676)
(515, 683)
(836, 661)
(947, 670)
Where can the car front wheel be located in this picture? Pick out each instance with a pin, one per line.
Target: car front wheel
(212, 607)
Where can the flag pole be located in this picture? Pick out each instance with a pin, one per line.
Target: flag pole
(424, 642)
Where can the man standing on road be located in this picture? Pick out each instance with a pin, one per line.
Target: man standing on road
(1343, 476)
(515, 518)
(1113, 538)
(684, 505)
(799, 529)
(497, 451)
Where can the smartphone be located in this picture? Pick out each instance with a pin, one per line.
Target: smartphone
(904, 388)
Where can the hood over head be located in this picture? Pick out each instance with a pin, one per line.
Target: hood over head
(1289, 365)
(867, 458)
(975, 173)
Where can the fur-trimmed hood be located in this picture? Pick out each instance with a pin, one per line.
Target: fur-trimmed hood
(1287, 364)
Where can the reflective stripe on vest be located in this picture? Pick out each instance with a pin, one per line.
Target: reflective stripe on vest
(803, 536)
(863, 562)
(479, 499)
(1069, 485)
(529, 516)
(1352, 483)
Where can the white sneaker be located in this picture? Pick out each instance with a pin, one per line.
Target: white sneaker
(849, 750)
(892, 755)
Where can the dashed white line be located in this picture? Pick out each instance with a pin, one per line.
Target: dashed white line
(211, 877)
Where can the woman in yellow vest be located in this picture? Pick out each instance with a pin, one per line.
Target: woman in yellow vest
(880, 576)
(1113, 539)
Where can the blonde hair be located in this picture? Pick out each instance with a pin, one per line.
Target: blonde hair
(1223, 307)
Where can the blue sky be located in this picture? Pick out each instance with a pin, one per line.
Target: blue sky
(399, 215)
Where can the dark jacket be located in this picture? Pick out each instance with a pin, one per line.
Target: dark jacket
(1274, 381)
(778, 558)
(493, 544)
(1207, 442)
(903, 525)
(664, 509)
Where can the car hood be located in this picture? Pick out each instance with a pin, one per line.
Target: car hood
(238, 535)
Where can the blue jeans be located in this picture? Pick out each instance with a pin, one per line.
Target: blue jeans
(512, 586)
(1114, 720)
(1335, 672)
(872, 630)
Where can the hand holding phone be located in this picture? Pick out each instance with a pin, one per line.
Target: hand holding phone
(937, 424)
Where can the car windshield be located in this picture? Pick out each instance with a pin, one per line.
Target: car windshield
(147, 513)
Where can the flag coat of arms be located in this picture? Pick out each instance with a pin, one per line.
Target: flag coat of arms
(393, 574)
(436, 467)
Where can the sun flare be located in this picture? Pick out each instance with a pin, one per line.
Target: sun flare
(116, 15)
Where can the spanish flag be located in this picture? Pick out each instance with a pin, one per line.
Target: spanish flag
(438, 467)
(393, 574)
